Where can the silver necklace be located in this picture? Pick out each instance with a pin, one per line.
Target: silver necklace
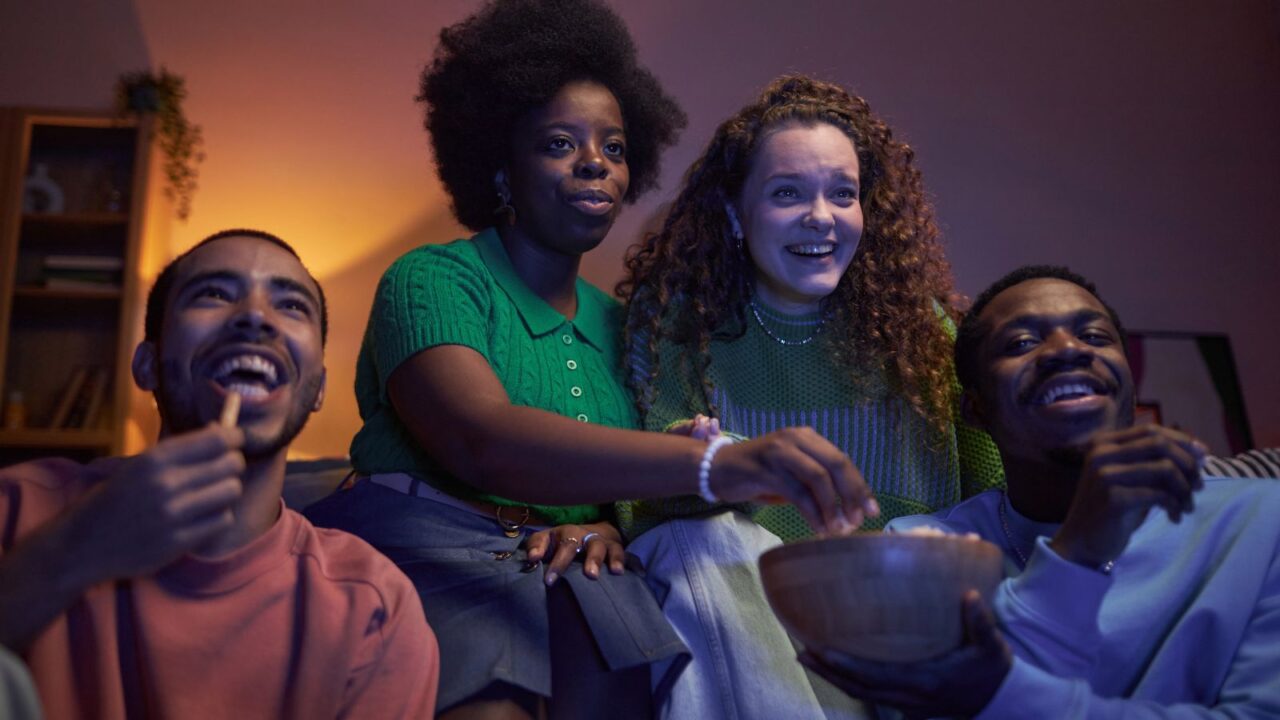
(791, 343)
(1017, 548)
(1008, 534)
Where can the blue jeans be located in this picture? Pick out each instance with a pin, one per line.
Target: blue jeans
(705, 575)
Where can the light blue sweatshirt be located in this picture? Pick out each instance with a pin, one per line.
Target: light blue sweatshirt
(1187, 625)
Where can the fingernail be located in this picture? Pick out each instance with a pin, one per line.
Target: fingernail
(591, 569)
(551, 578)
(616, 568)
(872, 507)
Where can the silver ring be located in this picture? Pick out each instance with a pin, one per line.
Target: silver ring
(587, 538)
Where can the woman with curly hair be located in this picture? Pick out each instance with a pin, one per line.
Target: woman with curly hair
(797, 279)
(497, 425)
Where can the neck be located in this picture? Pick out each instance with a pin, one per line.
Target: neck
(551, 276)
(256, 510)
(1041, 490)
(784, 304)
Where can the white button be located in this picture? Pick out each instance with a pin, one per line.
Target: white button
(575, 391)
(572, 365)
(568, 339)
(582, 418)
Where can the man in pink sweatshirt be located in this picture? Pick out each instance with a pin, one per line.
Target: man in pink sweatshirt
(175, 583)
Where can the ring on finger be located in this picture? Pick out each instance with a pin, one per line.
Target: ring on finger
(587, 538)
(577, 546)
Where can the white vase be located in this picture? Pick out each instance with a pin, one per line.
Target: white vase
(41, 194)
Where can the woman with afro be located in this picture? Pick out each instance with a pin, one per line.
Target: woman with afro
(797, 279)
(497, 426)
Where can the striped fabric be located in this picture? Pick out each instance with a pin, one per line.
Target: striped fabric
(1262, 463)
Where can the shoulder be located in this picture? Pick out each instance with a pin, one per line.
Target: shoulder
(1233, 496)
(350, 565)
(35, 491)
(970, 516)
(425, 261)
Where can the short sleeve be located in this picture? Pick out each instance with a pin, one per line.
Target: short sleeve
(434, 295)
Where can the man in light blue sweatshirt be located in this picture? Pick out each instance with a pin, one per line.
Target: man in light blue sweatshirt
(1137, 588)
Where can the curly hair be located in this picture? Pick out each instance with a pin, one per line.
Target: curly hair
(689, 280)
(513, 56)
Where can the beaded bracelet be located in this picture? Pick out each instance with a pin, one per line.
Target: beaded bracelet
(704, 468)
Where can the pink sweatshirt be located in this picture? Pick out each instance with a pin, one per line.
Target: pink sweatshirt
(300, 623)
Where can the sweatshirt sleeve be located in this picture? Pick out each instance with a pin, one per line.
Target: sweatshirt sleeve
(1250, 689)
(1050, 612)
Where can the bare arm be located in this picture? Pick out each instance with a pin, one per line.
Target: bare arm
(155, 507)
(457, 409)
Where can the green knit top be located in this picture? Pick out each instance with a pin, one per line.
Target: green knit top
(467, 293)
(761, 385)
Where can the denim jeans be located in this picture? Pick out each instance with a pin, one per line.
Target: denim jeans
(705, 575)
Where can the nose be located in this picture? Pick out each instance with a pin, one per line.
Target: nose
(590, 165)
(819, 216)
(1062, 348)
(253, 318)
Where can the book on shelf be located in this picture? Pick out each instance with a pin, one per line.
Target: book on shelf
(83, 272)
(65, 283)
(96, 392)
(82, 399)
(100, 263)
(68, 397)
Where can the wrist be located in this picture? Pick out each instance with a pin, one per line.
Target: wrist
(1078, 555)
(704, 468)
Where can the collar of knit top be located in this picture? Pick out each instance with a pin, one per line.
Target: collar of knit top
(784, 328)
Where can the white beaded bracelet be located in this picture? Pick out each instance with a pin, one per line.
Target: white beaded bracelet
(704, 468)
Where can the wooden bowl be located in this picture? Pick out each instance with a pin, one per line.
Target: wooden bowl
(888, 597)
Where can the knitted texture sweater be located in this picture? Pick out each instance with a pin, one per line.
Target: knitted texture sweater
(761, 385)
(467, 293)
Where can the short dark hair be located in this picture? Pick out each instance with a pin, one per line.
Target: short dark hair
(972, 331)
(158, 297)
(513, 56)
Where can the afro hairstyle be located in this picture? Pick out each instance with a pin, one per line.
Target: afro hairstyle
(513, 56)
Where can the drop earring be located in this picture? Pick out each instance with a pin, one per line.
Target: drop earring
(504, 200)
(735, 228)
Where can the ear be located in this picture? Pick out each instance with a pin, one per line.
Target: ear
(734, 224)
(145, 372)
(971, 410)
(324, 376)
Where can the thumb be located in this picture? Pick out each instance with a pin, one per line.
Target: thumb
(980, 622)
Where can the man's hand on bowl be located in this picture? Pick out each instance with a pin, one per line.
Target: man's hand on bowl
(959, 683)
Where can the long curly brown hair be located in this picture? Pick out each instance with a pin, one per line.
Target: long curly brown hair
(692, 281)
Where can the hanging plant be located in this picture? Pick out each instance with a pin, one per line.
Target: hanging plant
(181, 141)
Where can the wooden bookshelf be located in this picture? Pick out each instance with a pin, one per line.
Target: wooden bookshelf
(57, 439)
(101, 166)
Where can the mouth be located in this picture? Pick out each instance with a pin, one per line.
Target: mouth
(254, 375)
(1064, 391)
(812, 250)
(592, 201)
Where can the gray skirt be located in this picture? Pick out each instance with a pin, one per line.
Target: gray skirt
(487, 610)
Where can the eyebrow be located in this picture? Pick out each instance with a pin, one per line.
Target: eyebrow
(278, 282)
(289, 284)
(612, 129)
(1075, 318)
(840, 174)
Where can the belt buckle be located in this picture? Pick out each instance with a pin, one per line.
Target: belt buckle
(511, 529)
